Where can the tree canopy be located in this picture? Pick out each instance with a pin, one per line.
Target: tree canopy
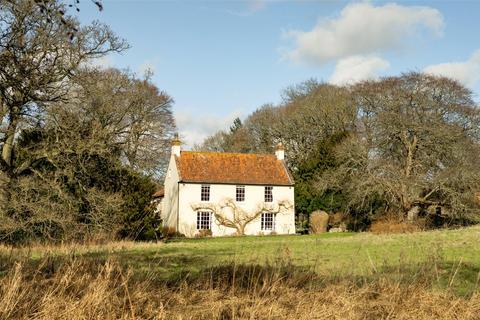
(405, 145)
(81, 147)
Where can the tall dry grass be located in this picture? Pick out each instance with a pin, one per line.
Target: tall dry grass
(81, 288)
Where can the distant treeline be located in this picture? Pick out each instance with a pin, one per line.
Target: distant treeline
(405, 146)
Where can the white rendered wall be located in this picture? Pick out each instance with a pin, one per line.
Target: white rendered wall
(254, 196)
(170, 201)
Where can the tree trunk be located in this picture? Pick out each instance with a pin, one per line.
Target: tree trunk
(7, 172)
(241, 229)
(7, 150)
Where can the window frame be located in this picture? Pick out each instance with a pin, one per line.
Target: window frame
(240, 193)
(204, 220)
(205, 192)
(268, 221)
(268, 194)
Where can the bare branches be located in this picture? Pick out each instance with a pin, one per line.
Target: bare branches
(419, 133)
(228, 214)
(59, 14)
(37, 61)
(68, 131)
(128, 113)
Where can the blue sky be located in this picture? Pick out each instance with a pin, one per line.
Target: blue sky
(222, 59)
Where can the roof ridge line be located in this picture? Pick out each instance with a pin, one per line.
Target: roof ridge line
(222, 152)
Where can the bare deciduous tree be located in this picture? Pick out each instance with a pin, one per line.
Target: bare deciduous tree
(216, 142)
(311, 112)
(416, 146)
(109, 121)
(228, 214)
(37, 63)
(132, 115)
(313, 117)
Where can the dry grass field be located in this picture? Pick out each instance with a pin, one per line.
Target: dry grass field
(424, 275)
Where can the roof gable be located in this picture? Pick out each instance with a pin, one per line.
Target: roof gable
(232, 168)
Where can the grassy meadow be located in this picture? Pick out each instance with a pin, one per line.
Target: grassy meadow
(421, 275)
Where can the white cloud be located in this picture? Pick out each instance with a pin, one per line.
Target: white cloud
(357, 68)
(195, 126)
(362, 28)
(467, 72)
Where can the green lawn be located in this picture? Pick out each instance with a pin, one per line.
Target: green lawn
(450, 256)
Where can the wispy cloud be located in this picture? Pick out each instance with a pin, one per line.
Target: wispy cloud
(357, 68)
(195, 126)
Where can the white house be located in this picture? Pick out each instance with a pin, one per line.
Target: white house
(228, 193)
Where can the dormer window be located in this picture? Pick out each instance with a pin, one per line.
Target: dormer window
(240, 194)
(205, 192)
(268, 194)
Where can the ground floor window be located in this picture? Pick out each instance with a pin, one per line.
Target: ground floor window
(268, 221)
(204, 220)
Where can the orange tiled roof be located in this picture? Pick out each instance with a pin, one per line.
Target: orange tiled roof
(234, 168)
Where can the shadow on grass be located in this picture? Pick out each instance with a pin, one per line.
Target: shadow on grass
(257, 238)
(461, 278)
(250, 278)
(458, 279)
(172, 268)
(167, 265)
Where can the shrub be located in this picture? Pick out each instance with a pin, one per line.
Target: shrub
(319, 222)
(171, 232)
(204, 233)
(392, 225)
